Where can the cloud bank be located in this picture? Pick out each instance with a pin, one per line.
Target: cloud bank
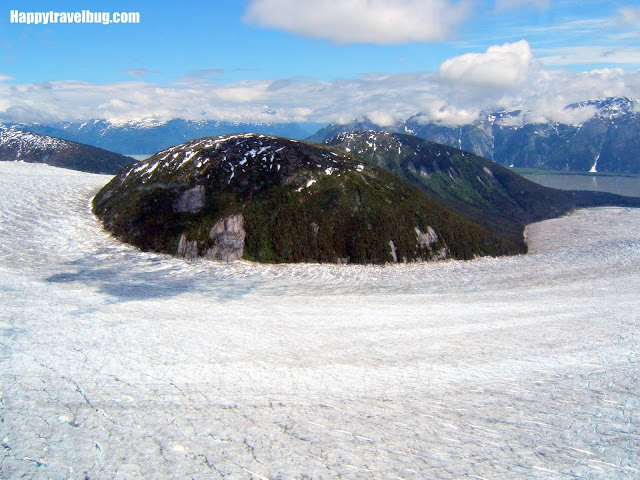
(362, 21)
(504, 77)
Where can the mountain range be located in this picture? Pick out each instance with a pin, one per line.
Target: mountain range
(149, 136)
(608, 141)
(605, 139)
(18, 145)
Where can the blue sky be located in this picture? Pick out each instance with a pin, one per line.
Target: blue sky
(327, 60)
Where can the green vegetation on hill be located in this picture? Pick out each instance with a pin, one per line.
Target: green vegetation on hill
(475, 187)
(299, 203)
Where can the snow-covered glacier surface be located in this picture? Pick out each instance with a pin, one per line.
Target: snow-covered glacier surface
(121, 364)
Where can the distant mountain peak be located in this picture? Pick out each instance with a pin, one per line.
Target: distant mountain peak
(22, 146)
(610, 107)
(145, 123)
(12, 136)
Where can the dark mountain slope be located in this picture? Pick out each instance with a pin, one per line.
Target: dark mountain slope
(271, 199)
(482, 190)
(17, 145)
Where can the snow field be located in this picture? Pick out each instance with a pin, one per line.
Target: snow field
(120, 364)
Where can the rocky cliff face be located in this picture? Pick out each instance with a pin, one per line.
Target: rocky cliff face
(228, 237)
(191, 200)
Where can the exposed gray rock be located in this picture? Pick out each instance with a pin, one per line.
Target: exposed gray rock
(228, 235)
(441, 254)
(191, 200)
(426, 239)
(394, 251)
(187, 248)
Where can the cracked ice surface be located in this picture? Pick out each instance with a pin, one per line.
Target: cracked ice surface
(121, 364)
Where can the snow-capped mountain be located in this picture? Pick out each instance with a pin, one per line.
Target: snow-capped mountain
(152, 135)
(611, 107)
(22, 146)
(601, 135)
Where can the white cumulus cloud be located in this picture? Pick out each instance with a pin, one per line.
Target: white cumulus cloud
(500, 66)
(362, 21)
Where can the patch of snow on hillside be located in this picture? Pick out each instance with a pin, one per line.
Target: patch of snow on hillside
(594, 168)
(141, 167)
(152, 168)
(188, 155)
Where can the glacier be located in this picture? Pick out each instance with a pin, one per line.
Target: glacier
(115, 363)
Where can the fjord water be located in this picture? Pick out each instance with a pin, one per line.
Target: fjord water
(620, 185)
(116, 363)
